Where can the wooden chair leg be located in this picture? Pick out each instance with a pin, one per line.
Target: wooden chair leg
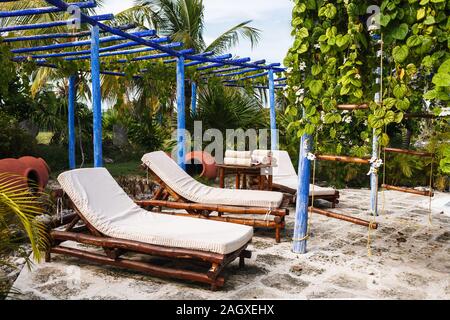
(48, 256)
(278, 233)
(241, 262)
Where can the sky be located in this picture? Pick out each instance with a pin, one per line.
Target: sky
(272, 17)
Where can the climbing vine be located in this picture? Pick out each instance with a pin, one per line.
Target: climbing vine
(333, 58)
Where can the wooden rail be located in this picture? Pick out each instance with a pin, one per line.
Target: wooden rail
(129, 245)
(140, 266)
(342, 159)
(408, 190)
(361, 222)
(410, 152)
(211, 207)
(352, 106)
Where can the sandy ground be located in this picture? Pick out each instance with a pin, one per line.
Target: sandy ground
(410, 259)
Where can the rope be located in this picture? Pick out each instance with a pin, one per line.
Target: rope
(59, 209)
(383, 193)
(430, 216)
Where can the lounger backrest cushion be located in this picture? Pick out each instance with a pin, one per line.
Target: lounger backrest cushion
(284, 164)
(98, 196)
(189, 188)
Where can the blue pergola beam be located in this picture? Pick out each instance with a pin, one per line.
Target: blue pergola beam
(263, 74)
(204, 54)
(222, 63)
(58, 35)
(36, 11)
(147, 33)
(222, 57)
(258, 62)
(44, 25)
(253, 86)
(150, 57)
(126, 52)
(86, 53)
(222, 75)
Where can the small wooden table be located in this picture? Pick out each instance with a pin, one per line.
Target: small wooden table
(261, 170)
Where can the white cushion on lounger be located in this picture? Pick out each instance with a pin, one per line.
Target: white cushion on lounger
(109, 209)
(187, 187)
(284, 174)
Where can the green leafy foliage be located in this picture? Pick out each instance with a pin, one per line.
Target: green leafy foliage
(333, 58)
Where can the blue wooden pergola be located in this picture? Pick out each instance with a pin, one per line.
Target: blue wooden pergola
(232, 71)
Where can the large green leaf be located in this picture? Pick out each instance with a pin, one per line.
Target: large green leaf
(316, 87)
(445, 67)
(400, 53)
(441, 79)
(400, 32)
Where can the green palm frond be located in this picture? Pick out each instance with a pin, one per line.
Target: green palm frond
(17, 200)
(230, 38)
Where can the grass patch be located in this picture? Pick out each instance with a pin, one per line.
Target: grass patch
(44, 137)
(125, 168)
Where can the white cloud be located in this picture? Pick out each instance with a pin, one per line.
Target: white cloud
(116, 6)
(217, 11)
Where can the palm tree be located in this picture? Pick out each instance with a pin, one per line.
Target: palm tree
(183, 20)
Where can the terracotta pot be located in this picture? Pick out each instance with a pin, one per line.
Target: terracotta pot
(40, 166)
(17, 167)
(202, 163)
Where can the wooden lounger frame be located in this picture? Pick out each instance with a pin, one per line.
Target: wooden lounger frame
(114, 248)
(161, 199)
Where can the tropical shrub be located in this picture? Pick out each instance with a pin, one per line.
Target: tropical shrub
(20, 209)
(14, 142)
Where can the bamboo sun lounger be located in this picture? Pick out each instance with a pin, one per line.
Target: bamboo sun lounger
(178, 190)
(285, 179)
(117, 225)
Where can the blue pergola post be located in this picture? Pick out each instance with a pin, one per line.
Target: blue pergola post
(181, 123)
(273, 115)
(377, 39)
(71, 120)
(194, 98)
(96, 96)
(374, 177)
(302, 204)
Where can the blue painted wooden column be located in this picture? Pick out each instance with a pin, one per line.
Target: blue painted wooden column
(273, 115)
(71, 120)
(374, 177)
(302, 204)
(96, 96)
(181, 112)
(194, 98)
(377, 39)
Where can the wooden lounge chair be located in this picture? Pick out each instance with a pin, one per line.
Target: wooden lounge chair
(285, 179)
(114, 223)
(178, 190)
